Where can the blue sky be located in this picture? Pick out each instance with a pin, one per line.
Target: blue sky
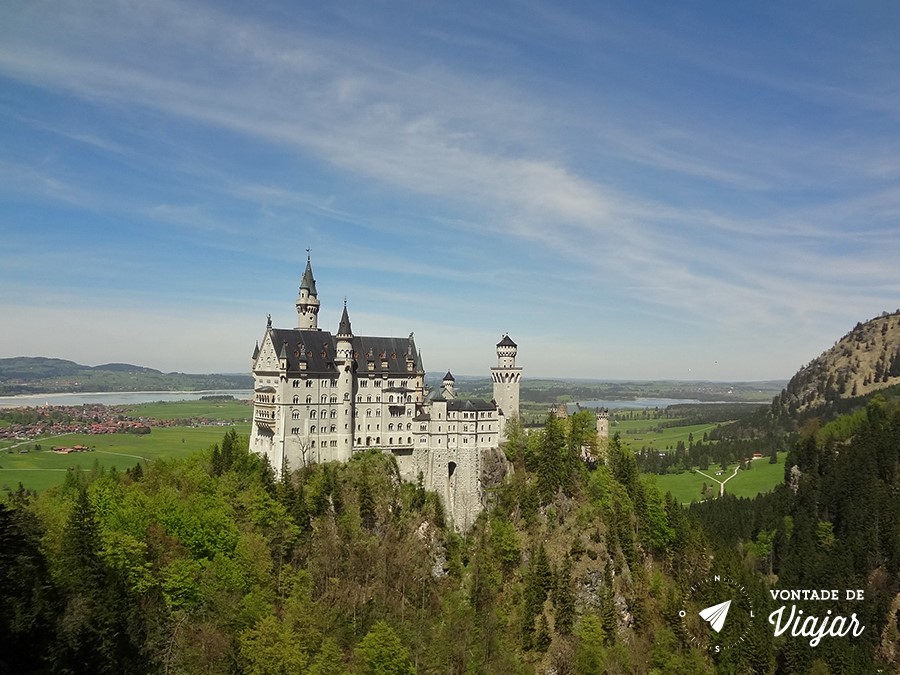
(691, 190)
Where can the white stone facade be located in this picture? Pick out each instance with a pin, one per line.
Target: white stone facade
(319, 397)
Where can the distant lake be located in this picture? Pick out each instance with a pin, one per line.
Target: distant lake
(117, 397)
(616, 404)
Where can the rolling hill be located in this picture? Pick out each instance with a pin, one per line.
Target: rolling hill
(41, 375)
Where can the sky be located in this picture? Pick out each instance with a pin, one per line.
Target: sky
(699, 190)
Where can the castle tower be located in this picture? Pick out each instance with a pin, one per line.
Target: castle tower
(343, 363)
(447, 387)
(308, 301)
(602, 423)
(506, 378)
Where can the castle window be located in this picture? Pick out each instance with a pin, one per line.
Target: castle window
(391, 440)
(363, 383)
(312, 429)
(333, 414)
(368, 399)
(309, 383)
(390, 427)
(422, 440)
(409, 426)
(346, 395)
(295, 383)
(377, 383)
(391, 398)
(409, 440)
(377, 399)
(312, 444)
(312, 414)
(377, 412)
(333, 428)
(309, 399)
(323, 414)
(334, 383)
(359, 399)
(368, 412)
(295, 414)
(296, 400)
(333, 399)
(324, 398)
(391, 383)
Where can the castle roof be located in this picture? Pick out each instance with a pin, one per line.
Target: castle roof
(470, 405)
(344, 327)
(308, 282)
(449, 377)
(507, 342)
(318, 348)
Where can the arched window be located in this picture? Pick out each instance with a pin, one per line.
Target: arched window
(368, 412)
(324, 398)
(309, 399)
(390, 427)
(346, 395)
(296, 400)
(295, 414)
(333, 428)
(312, 414)
(333, 399)
(312, 429)
(333, 414)
(391, 398)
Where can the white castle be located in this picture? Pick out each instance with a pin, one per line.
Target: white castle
(319, 397)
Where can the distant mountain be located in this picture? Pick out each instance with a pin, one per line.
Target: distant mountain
(40, 375)
(864, 361)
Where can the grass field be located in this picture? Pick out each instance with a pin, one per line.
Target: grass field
(40, 470)
(636, 434)
(221, 411)
(685, 487)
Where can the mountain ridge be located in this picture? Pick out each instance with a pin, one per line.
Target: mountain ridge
(44, 375)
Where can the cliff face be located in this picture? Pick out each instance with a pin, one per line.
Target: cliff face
(864, 360)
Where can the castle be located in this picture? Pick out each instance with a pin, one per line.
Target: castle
(320, 397)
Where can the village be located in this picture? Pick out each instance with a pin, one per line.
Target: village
(26, 424)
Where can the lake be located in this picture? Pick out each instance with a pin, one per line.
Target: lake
(117, 397)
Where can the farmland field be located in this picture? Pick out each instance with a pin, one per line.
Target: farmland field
(762, 477)
(221, 411)
(43, 469)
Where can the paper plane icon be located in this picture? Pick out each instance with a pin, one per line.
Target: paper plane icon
(716, 614)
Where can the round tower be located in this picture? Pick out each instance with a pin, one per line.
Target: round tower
(506, 378)
(447, 386)
(308, 301)
(343, 363)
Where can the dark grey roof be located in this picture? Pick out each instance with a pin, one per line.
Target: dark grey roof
(308, 282)
(470, 405)
(344, 327)
(256, 351)
(449, 376)
(507, 342)
(318, 349)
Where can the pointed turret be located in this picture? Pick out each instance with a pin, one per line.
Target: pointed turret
(344, 329)
(308, 301)
(448, 390)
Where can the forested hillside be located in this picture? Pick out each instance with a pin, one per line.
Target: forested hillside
(863, 361)
(38, 375)
(210, 565)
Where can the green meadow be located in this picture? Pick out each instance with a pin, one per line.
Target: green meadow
(636, 434)
(38, 470)
(761, 477)
(220, 411)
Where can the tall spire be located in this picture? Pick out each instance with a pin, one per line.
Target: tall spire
(344, 327)
(308, 282)
(307, 301)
